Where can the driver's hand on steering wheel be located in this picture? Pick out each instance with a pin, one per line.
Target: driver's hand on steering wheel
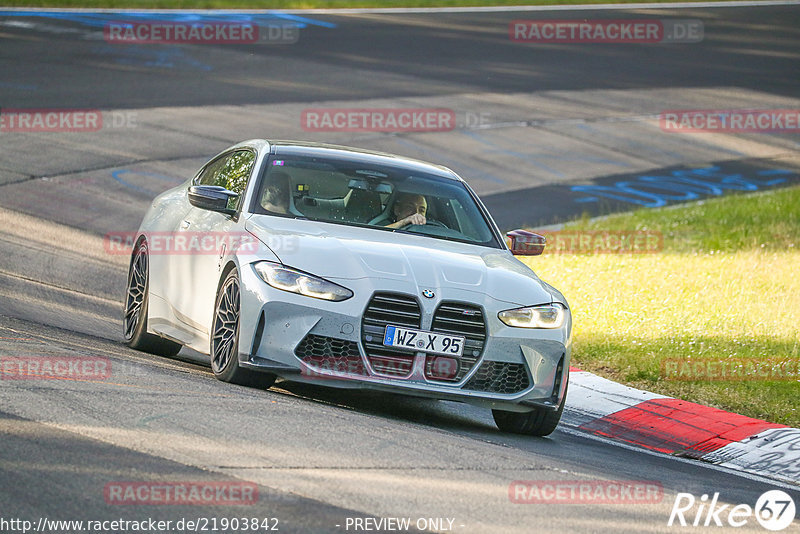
(408, 209)
(414, 218)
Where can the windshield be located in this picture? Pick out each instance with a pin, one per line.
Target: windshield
(380, 197)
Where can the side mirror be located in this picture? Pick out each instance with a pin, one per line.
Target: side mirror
(525, 243)
(211, 197)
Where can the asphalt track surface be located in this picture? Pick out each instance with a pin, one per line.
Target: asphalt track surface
(535, 122)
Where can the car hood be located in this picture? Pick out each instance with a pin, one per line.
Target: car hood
(344, 252)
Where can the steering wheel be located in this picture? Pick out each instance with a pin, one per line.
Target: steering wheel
(431, 222)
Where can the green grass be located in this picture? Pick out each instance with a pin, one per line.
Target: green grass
(725, 288)
(293, 4)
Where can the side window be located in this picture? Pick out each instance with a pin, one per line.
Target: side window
(231, 172)
(209, 175)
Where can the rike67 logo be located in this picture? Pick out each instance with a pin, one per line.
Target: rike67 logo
(774, 510)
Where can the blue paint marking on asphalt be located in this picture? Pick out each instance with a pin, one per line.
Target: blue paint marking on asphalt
(98, 20)
(680, 185)
(163, 177)
(771, 172)
(166, 57)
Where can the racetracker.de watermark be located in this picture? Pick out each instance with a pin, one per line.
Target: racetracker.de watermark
(196, 243)
(352, 366)
(181, 493)
(730, 370)
(378, 120)
(321, 367)
(603, 242)
(633, 31)
(166, 32)
(54, 368)
(64, 120)
(585, 492)
(730, 121)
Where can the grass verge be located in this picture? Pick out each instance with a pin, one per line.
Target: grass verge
(723, 296)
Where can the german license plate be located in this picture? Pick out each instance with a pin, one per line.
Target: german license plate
(420, 340)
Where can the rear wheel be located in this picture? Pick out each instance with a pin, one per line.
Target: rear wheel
(225, 338)
(539, 422)
(136, 301)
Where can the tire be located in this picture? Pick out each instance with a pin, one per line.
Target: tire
(539, 422)
(225, 338)
(134, 320)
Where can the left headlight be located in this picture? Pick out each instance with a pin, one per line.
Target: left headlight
(287, 279)
(544, 316)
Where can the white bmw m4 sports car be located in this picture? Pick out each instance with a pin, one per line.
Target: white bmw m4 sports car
(349, 268)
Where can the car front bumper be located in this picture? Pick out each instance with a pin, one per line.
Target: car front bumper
(327, 343)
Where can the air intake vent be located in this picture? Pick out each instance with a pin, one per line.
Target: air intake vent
(499, 377)
(461, 320)
(330, 354)
(382, 310)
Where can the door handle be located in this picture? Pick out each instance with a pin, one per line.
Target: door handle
(185, 225)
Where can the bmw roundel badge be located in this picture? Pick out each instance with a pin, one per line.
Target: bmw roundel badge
(427, 293)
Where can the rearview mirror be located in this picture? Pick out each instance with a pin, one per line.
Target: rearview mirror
(370, 185)
(525, 243)
(212, 197)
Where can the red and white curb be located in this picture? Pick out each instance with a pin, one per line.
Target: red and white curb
(672, 426)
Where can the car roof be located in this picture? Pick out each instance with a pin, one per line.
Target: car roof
(359, 155)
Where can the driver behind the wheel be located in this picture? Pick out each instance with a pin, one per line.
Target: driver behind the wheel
(409, 208)
(277, 195)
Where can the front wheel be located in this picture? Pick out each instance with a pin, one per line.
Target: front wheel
(225, 338)
(539, 422)
(135, 317)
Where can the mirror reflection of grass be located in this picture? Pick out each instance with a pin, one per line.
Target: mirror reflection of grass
(725, 288)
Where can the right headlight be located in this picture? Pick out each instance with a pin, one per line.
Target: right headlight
(294, 281)
(544, 316)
